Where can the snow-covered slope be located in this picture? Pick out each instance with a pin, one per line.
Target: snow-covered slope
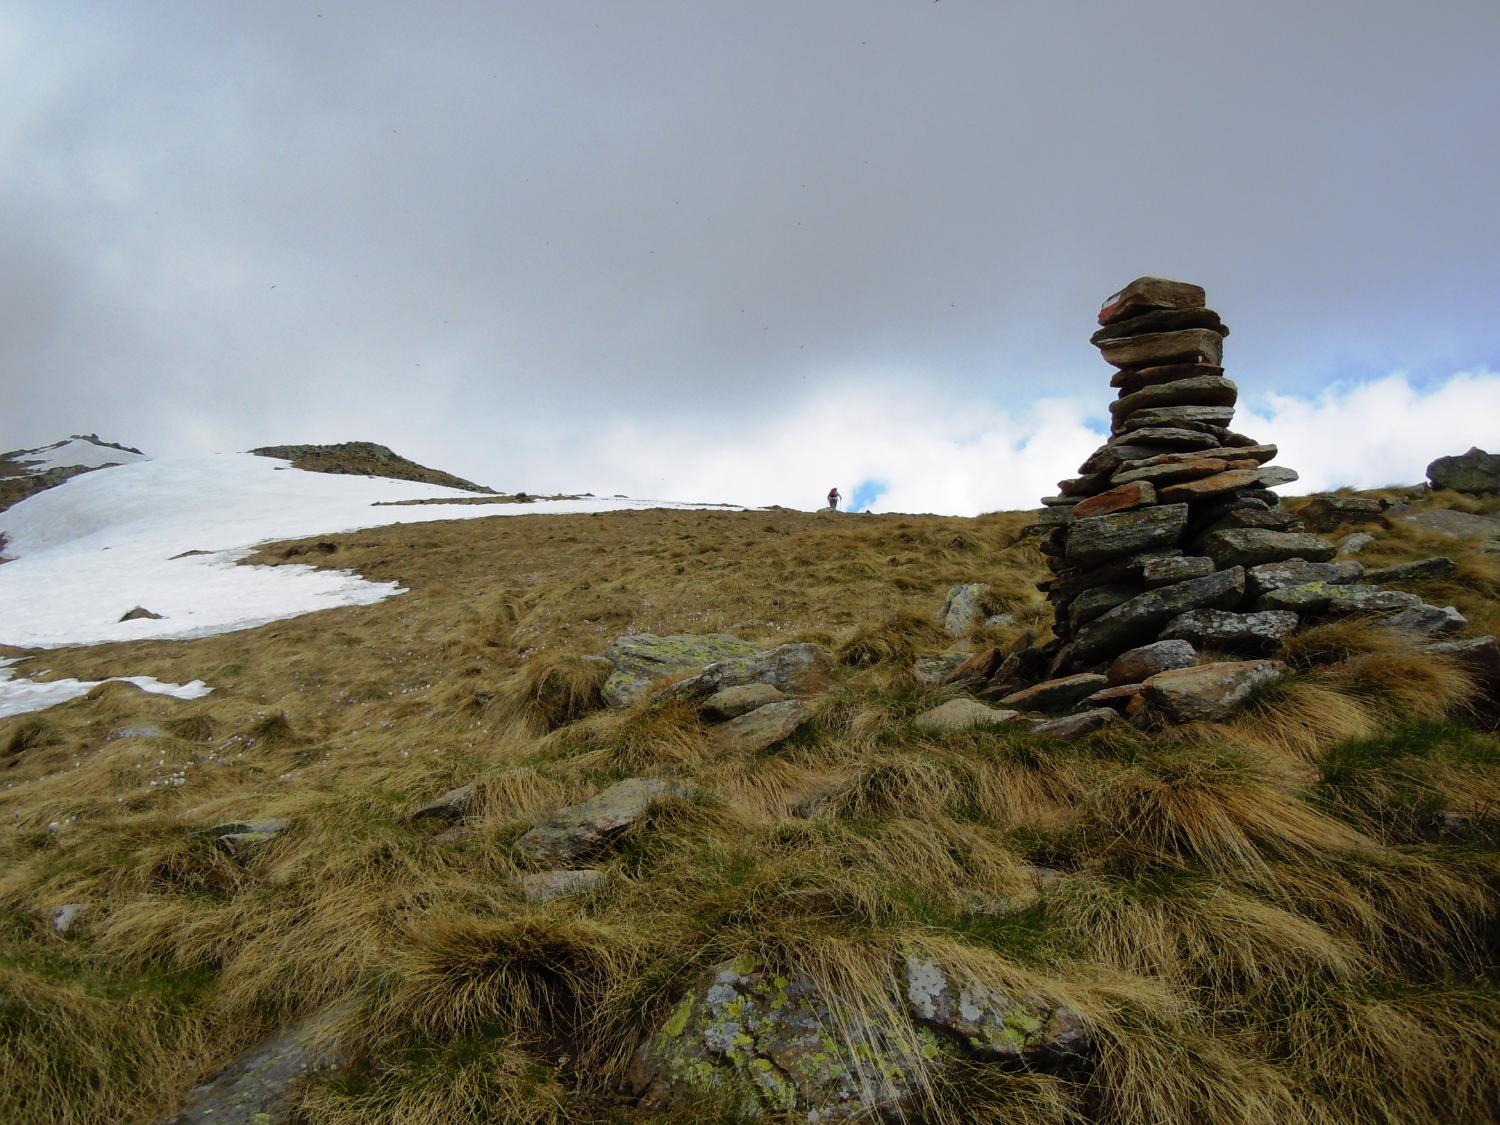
(92, 549)
(76, 451)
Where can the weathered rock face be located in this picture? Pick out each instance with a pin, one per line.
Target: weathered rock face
(964, 608)
(1456, 525)
(762, 728)
(1143, 617)
(1247, 546)
(1210, 691)
(765, 1044)
(1140, 664)
(641, 658)
(579, 831)
(961, 714)
(795, 669)
(1091, 541)
(1328, 513)
(1224, 631)
(732, 702)
(1474, 471)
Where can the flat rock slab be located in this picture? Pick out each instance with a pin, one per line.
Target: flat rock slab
(762, 728)
(1337, 601)
(1099, 601)
(1142, 663)
(1166, 572)
(239, 836)
(1142, 618)
(1272, 476)
(1077, 725)
(1252, 546)
(1171, 437)
(1121, 498)
(1190, 417)
(1173, 471)
(962, 714)
(1474, 471)
(1209, 692)
(1093, 540)
(572, 834)
(1160, 320)
(1427, 619)
(1455, 525)
(1204, 488)
(1480, 654)
(641, 658)
(1187, 345)
(1117, 697)
(1054, 695)
(1233, 632)
(548, 886)
(1438, 566)
(1327, 513)
(1202, 390)
(732, 702)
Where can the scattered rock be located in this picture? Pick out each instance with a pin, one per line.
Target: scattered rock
(793, 669)
(144, 731)
(989, 1023)
(1142, 663)
(452, 805)
(1076, 725)
(140, 613)
(1173, 471)
(961, 714)
(640, 659)
(1454, 524)
(260, 1087)
(1210, 692)
(975, 669)
(1430, 619)
(1055, 695)
(1117, 697)
(1351, 545)
(762, 728)
(1252, 546)
(577, 832)
(1474, 471)
(65, 917)
(964, 607)
(239, 836)
(935, 668)
(1233, 632)
(545, 886)
(1438, 566)
(732, 702)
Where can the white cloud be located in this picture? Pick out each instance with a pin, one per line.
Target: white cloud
(934, 454)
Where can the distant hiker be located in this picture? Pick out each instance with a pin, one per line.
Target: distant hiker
(833, 499)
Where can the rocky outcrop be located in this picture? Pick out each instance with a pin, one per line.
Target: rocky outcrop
(1474, 471)
(642, 658)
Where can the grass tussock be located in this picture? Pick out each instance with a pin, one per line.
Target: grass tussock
(1285, 917)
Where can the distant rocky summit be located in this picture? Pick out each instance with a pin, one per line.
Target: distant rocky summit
(365, 459)
(1474, 471)
(25, 472)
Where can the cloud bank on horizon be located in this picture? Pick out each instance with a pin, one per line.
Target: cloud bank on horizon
(738, 251)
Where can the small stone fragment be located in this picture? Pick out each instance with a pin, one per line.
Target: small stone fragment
(762, 728)
(578, 831)
(1147, 293)
(452, 805)
(1351, 545)
(1117, 697)
(65, 917)
(140, 613)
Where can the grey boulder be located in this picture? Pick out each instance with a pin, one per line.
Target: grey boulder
(579, 831)
(1474, 471)
(642, 658)
(1232, 632)
(1210, 692)
(1142, 618)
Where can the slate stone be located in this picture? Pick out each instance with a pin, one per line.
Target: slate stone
(1172, 437)
(1117, 697)
(732, 702)
(1100, 600)
(1121, 498)
(1209, 692)
(1252, 546)
(1077, 725)
(1454, 524)
(1140, 664)
(1132, 379)
(1207, 390)
(1159, 475)
(1205, 488)
(1474, 471)
(1141, 618)
(1110, 456)
(1156, 349)
(579, 831)
(1258, 516)
(762, 728)
(802, 668)
(1087, 485)
(641, 658)
(1160, 320)
(1147, 293)
(1326, 513)
(1165, 572)
(1337, 601)
(1429, 619)
(1273, 476)
(1054, 695)
(1093, 540)
(1204, 418)
(960, 715)
(1225, 631)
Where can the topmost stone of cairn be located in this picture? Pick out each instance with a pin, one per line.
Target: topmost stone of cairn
(1148, 294)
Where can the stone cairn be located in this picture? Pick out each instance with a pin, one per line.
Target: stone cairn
(1169, 550)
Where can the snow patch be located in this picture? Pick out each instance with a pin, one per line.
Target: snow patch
(19, 695)
(89, 550)
(74, 452)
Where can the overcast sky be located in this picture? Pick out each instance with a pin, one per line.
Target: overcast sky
(743, 251)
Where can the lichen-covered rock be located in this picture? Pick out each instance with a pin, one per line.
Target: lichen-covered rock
(572, 834)
(732, 702)
(762, 728)
(934, 668)
(1142, 663)
(1210, 691)
(1351, 545)
(1429, 619)
(641, 658)
(986, 1022)
(1098, 538)
(1101, 599)
(1298, 572)
(768, 1043)
(1232, 632)
(1167, 572)
(239, 836)
(1328, 513)
(964, 608)
(961, 714)
(1142, 618)
(1438, 566)
(1337, 601)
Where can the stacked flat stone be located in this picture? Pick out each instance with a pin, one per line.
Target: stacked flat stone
(1168, 515)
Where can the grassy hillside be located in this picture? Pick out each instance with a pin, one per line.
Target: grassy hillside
(1285, 917)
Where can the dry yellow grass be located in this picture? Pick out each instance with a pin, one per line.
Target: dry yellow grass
(1262, 920)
